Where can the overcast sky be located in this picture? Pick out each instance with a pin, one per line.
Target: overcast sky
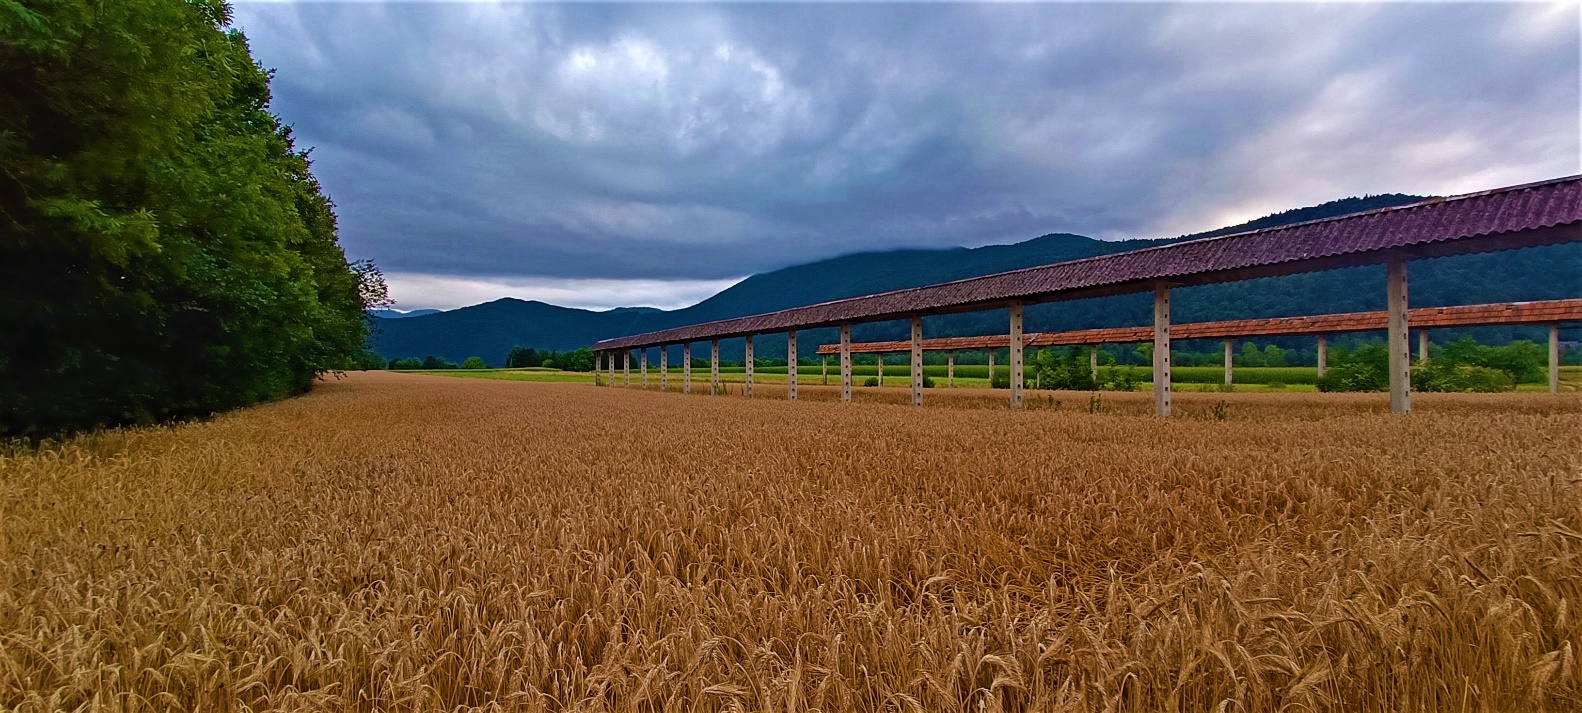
(597, 155)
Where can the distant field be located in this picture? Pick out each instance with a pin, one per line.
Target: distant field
(400, 542)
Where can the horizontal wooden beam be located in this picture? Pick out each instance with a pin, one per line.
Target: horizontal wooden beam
(1538, 312)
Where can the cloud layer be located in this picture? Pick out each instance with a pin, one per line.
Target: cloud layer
(573, 145)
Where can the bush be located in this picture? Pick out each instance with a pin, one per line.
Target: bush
(473, 362)
(1440, 376)
(408, 363)
(1524, 361)
(1065, 369)
(871, 381)
(1366, 369)
(369, 361)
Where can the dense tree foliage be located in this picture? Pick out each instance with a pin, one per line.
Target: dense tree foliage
(524, 357)
(165, 250)
(1461, 365)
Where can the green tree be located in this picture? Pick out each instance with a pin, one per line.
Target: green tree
(473, 362)
(579, 360)
(165, 250)
(524, 357)
(434, 362)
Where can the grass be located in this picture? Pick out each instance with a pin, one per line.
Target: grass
(398, 542)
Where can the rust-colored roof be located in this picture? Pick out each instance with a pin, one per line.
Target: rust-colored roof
(1517, 216)
(1540, 312)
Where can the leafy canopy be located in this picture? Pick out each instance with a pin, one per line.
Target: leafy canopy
(165, 250)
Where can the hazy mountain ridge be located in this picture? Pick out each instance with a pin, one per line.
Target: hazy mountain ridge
(490, 330)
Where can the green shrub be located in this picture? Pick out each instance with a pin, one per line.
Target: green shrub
(473, 362)
(1365, 369)
(871, 381)
(1440, 376)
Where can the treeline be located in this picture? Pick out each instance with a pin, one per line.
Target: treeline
(576, 360)
(518, 358)
(1461, 365)
(165, 250)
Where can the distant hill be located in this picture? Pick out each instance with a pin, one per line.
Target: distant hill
(490, 330)
(398, 314)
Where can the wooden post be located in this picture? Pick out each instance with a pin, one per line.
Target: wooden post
(714, 367)
(747, 389)
(1422, 345)
(1554, 358)
(644, 367)
(1400, 347)
(950, 368)
(1016, 355)
(1162, 350)
(1323, 355)
(791, 365)
(626, 365)
(686, 368)
(845, 362)
(664, 367)
(823, 368)
(1230, 360)
(1093, 361)
(917, 361)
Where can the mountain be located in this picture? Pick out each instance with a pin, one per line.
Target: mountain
(490, 330)
(398, 314)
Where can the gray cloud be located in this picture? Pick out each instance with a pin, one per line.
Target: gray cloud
(703, 142)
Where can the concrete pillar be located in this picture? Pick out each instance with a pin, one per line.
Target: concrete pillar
(686, 368)
(626, 365)
(1554, 358)
(1016, 356)
(823, 368)
(1093, 361)
(791, 365)
(612, 368)
(917, 361)
(1422, 345)
(950, 369)
(845, 362)
(880, 355)
(1162, 350)
(644, 367)
(1323, 355)
(598, 368)
(664, 367)
(1230, 360)
(747, 388)
(991, 368)
(1400, 347)
(714, 367)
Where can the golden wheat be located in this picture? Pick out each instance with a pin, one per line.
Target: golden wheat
(402, 542)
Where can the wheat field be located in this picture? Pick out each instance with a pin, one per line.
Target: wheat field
(407, 542)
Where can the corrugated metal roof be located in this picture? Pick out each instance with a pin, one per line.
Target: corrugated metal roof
(1536, 312)
(1474, 222)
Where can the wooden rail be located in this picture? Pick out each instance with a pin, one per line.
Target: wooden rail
(1537, 312)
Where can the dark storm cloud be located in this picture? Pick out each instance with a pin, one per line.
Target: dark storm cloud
(700, 142)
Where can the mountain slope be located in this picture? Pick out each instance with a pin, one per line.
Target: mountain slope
(490, 330)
